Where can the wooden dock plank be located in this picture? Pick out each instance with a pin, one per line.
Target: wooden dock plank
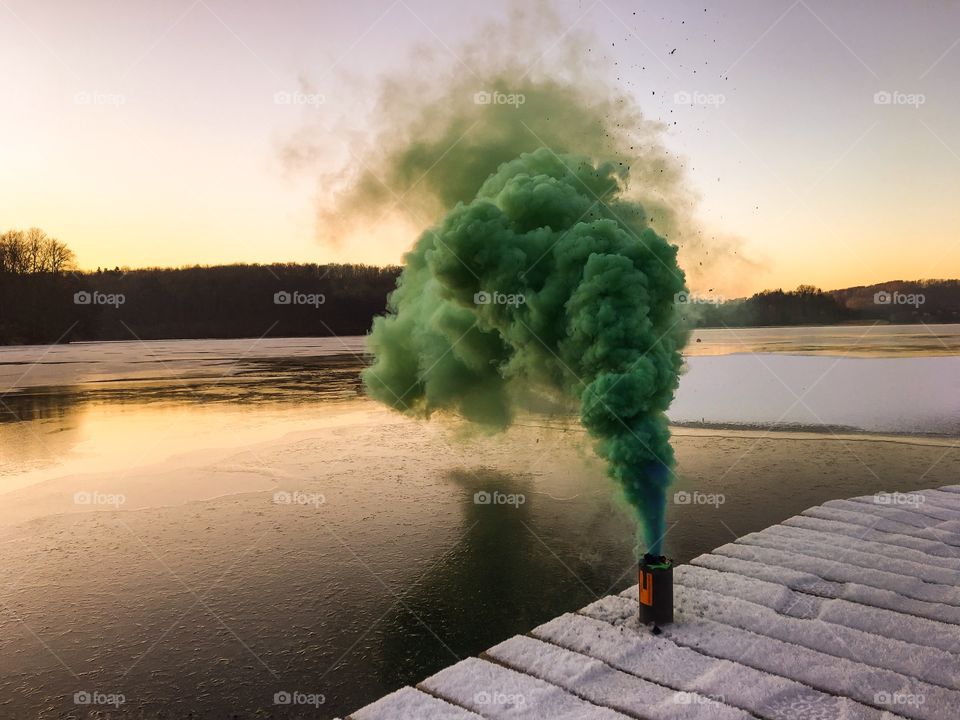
(815, 585)
(930, 665)
(496, 692)
(858, 544)
(838, 611)
(851, 530)
(824, 549)
(602, 684)
(832, 676)
(409, 702)
(661, 660)
(910, 587)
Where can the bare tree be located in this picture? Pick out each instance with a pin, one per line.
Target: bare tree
(59, 258)
(33, 252)
(13, 252)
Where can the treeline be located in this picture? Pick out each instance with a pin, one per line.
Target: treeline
(280, 300)
(44, 299)
(898, 301)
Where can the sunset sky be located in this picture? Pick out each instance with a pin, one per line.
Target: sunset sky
(147, 133)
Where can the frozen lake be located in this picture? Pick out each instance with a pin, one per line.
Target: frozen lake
(100, 406)
(199, 592)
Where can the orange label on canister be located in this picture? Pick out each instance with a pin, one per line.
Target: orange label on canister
(646, 588)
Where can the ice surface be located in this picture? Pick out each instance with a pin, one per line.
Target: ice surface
(69, 364)
(885, 395)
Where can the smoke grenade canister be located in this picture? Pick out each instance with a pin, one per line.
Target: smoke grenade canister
(656, 590)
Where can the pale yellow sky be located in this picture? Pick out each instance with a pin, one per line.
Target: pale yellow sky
(148, 134)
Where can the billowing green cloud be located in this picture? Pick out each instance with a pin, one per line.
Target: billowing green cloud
(548, 282)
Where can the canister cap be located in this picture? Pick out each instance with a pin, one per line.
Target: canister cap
(656, 562)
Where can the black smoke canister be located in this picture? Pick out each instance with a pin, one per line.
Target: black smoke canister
(656, 590)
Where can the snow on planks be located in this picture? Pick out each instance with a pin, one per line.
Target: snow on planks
(850, 611)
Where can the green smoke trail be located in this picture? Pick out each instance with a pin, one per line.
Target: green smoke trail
(548, 282)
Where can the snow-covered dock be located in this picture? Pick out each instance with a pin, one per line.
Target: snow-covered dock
(849, 610)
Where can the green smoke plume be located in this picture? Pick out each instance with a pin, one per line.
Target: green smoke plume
(548, 282)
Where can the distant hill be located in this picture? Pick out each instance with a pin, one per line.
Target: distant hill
(934, 300)
(226, 301)
(44, 305)
(897, 301)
